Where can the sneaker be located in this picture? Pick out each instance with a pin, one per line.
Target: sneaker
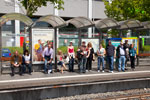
(111, 72)
(98, 71)
(86, 70)
(103, 71)
(119, 70)
(123, 70)
(49, 71)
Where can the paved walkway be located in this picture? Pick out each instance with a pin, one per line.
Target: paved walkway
(56, 79)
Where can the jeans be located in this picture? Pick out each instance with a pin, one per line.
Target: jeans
(83, 64)
(100, 60)
(13, 67)
(47, 66)
(110, 60)
(121, 65)
(71, 64)
(79, 63)
(28, 66)
(60, 63)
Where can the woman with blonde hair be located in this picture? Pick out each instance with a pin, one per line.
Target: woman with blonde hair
(60, 59)
(89, 56)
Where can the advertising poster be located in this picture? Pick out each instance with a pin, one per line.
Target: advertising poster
(40, 39)
(115, 41)
(132, 40)
(95, 43)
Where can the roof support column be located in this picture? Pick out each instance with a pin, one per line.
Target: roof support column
(56, 38)
(90, 13)
(100, 36)
(30, 44)
(79, 37)
(17, 25)
(56, 12)
(55, 48)
(0, 51)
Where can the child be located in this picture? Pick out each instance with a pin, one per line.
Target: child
(60, 59)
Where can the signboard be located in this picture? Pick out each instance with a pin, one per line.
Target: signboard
(39, 42)
(95, 43)
(134, 41)
(144, 36)
(115, 41)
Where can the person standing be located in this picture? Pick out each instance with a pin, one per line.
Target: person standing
(79, 57)
(126, 46)
(101, 53)
(110, 52)
(16, 61)
(121, 56)
(83, 58)
(71, 55)
(89, 56)
(132, 53)
(48, 58)
(26, 61)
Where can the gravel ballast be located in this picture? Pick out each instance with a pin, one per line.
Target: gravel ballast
(106, 95)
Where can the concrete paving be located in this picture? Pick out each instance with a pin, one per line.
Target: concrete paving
(56, 78)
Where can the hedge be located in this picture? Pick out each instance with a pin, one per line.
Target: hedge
(13, 49)
(20, 49)
(64, 49)
(146, 48)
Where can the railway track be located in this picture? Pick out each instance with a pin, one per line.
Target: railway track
(131, 97)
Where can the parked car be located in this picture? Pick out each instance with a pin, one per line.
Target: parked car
(6, 52)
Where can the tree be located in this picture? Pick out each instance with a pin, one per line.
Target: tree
(128, 9)
(32, 6)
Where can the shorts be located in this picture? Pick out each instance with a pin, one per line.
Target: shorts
(60, 63)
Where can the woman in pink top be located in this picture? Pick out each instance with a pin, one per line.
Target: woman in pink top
(71, 55)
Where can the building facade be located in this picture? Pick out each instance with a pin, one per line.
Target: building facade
(93, 9)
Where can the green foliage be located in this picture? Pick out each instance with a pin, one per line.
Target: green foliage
(103, 44)
(32, 6)
(128, 9)
(114, 33)
(146, 48)
(13, 49)
(64, 49)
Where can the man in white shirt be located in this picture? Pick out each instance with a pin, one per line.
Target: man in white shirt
(48, 57)
(121, 55)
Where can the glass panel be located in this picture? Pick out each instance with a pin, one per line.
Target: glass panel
(16, 16)
(81, 22)
(106, 23)
(53, 20)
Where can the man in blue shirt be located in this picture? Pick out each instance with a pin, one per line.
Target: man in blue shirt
(110, 51)
(121, 54)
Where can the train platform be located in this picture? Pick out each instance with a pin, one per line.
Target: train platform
(56, 78)
(40, 86)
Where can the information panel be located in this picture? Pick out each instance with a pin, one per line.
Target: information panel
(40, 37)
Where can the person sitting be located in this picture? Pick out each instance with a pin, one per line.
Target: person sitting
(47, 58)
(16, 61)
(60, 59)
(26, 61)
